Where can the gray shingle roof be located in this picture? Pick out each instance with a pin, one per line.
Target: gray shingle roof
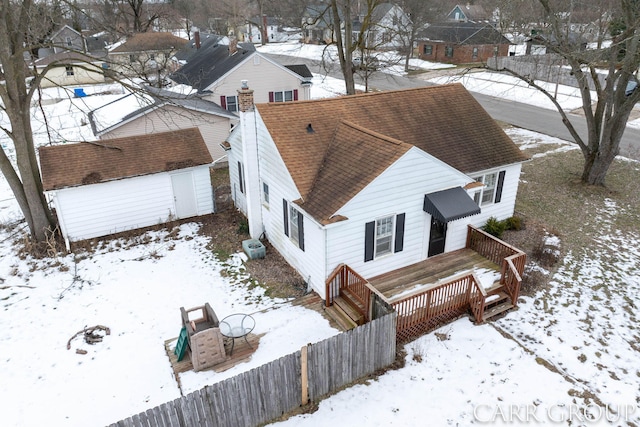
(209, 63)
(463, 33)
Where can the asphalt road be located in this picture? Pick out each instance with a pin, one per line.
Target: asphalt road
(519, 114)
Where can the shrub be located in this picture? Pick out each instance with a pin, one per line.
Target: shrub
(514, 223)
(495, 227)
(243, 226)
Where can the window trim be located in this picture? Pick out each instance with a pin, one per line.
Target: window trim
(428, 47)
(233, 105)
(388, 235)
(294, 231)
(448, 51)
(397, 240)
(241, 178)
(490, 193)
(265, 194)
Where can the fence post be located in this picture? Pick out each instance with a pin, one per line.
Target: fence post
(304, 373)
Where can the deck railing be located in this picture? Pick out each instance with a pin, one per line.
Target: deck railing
(342, 278)
(432, 307)
(477, 298)
(510, 259)
(425, 311)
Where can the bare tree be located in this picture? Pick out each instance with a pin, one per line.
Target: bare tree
(346, 42)
(420, 13)
(23, 31)
(609, 72)
(20, 32)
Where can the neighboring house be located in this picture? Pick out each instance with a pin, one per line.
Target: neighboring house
(71, 60)
(123, 184)
(375, 181)
(538, 43)
(71, 69)
(147, 55)
(275, 31)
(387, 22)
(167, 112)
(317, 24)
(66, 39)
(200, 41)
(468, 13)
(461, 43)
(216, 71)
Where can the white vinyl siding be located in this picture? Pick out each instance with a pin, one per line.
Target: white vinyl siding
(214, 129)
(310, 262)
(100, 209)
(59, 76)
(262, 78)
(419, 174)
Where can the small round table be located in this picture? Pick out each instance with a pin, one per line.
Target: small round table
(237, 325)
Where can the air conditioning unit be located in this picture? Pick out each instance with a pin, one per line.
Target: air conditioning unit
(254, 248)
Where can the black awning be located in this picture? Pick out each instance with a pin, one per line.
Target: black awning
(449, 205)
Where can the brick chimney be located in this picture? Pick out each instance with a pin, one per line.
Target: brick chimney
(196, 37)
(233, 45)
(245, 97)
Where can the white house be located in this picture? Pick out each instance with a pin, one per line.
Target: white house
(216, 70)
(387, 22)
(100, 188)
(376, 181)
(166, 111)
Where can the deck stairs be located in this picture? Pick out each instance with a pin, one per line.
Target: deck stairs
(496, 302)
(346, 310)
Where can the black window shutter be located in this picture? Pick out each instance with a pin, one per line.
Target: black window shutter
(399, 243)
(369, 239)
(240, 177)
(270, 96)
(295, 94)
(285, 215)
(301, 231)
(223, 102)
(499, 186)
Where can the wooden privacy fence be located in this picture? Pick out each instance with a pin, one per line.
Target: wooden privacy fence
(269, 391)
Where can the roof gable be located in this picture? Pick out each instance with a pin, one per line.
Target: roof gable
(208, 64)
(161, 98)
(337, 181)
(72, 165)
(443, 121)
(469, 12)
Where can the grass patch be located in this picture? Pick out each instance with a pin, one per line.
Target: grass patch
(551, 192)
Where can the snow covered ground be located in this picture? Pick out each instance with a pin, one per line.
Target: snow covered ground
(563, 353)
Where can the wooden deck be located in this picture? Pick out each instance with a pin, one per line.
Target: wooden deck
(430, 271)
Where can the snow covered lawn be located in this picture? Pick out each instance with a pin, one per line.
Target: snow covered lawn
(136, 289)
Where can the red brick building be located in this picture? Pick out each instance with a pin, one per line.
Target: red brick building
(461, 43)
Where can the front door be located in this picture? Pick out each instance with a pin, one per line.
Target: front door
(437, 237)
(184, 195)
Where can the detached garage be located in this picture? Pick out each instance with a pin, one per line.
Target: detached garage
(101, 188)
